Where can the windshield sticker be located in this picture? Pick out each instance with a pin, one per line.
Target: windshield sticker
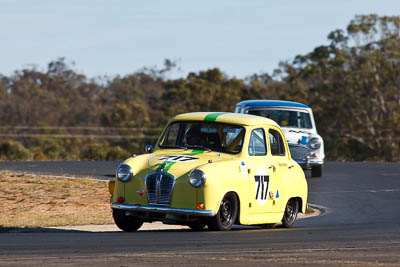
(178, 158)
(208, 129)
(261, 186)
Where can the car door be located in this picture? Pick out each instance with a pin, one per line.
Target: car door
(260, 176)
(281, 167)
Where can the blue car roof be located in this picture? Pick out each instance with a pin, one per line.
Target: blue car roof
(271, 103)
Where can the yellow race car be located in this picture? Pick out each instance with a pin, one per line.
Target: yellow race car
(211, 169)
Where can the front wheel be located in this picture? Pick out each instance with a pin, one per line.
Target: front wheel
(226, 215)
(290, 215)
(126, 223)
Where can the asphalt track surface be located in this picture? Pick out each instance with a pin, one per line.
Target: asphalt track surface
(360, 226)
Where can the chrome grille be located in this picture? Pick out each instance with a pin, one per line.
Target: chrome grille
(299, 152)
(159, 186)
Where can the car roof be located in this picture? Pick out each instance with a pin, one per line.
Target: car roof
(271, 103)
(225, 117)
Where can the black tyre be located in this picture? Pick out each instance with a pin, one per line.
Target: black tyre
(196, 226)
(126, 223)
(316, 171)
(226, 215)
(290, 214)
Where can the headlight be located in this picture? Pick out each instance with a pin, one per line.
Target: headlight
(197, 178)
(314, 143)
(124, 172)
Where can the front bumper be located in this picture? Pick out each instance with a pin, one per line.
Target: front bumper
(309, 163)
(163, 210)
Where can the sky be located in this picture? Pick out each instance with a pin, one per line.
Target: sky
(109, 38)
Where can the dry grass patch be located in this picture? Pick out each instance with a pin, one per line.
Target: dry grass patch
(28, 200)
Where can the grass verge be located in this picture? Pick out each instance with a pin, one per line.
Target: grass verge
(33, 201)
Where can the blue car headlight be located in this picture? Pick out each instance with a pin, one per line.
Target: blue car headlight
(124, 172)
(197, 178)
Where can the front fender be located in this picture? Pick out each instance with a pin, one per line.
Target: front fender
(222, 177)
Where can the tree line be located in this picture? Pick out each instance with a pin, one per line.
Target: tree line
(352, 84)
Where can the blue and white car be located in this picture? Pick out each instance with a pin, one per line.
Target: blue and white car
(297, 122)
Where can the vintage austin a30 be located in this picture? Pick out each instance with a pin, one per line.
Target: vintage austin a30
(211, 170)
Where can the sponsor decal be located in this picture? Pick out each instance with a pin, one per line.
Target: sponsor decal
(293, 131)
(304, 140)
(262, 186)
(140, 193)
(271, 195)
(243, 168)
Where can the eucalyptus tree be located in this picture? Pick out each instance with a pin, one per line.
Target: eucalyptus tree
(353, 85)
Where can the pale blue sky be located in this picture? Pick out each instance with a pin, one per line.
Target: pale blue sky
(120, 37)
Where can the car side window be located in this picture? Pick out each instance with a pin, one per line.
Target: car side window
(257, 145)
(276, 142)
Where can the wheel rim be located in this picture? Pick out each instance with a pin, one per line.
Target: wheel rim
(290, 211)
(226, 212)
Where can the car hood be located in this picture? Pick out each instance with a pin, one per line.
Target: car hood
(180, 162)
(297, 136)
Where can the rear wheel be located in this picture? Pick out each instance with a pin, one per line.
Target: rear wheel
(290, 215)
(226, 215)
(316, 171)
(126, 223)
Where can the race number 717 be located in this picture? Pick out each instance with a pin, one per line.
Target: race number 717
(262, 186)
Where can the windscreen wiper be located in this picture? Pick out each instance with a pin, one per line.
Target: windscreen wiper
(179, 146)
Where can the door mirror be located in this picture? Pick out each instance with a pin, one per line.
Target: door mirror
(148, 149)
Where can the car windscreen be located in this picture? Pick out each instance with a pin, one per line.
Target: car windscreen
(285, 118)
(212, 136)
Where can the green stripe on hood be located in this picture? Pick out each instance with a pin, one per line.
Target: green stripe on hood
(169, 165)
(161, 166)
(195, 152)
(213, 116)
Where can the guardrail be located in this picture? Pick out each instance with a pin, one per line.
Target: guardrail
(92, 132)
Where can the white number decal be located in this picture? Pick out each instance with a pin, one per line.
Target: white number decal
(178, 158)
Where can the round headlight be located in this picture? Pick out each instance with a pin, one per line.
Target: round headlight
(314, 143)
(197, 178)
(124, 172)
